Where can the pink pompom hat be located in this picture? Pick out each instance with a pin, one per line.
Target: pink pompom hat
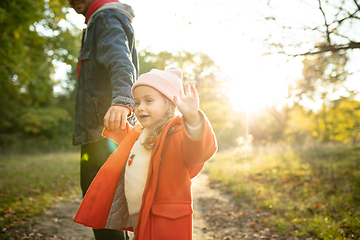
(168, 81)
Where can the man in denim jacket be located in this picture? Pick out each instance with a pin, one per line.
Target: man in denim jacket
(108, 67)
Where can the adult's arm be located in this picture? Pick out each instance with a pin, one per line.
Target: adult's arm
(113, 51)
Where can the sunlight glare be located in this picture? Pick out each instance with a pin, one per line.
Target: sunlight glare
(262, 83)
(250, 95)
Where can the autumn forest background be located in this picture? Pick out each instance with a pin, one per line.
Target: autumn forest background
(294, 143)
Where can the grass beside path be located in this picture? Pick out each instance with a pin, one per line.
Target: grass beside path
(309, 193)
(30, 183)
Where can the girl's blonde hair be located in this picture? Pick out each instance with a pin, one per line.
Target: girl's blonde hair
(154, 131)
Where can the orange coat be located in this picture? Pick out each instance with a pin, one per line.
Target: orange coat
(166, 210)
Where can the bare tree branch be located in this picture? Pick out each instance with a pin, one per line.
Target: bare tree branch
(326, 24)
(358, 6)
(338, 31)
(333, 48)
(318, 50)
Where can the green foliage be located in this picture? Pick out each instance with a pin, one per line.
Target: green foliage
(30, 41)
(44, 120)
(269, 125)
(37, 127)
(299, 125)
(25, 58)
(19, 143)
(280, 124)
(323, 74)
(338, 122)
(311, 192)
(30, 184)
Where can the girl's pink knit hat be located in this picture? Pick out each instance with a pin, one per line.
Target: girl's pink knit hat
(168, 82)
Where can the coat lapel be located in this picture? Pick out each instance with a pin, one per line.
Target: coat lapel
(96, 205)
(153, 174)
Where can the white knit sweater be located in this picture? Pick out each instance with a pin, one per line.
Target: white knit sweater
(136, 174)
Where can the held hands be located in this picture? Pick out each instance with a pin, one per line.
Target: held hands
(116, 118)
(188, 105)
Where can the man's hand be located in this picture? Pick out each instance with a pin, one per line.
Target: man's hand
(116, 118)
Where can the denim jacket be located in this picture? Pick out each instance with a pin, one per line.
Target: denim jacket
(108, 67)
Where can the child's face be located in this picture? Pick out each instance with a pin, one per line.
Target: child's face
(150, 105)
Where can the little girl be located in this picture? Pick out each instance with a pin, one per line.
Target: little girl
(145, 185)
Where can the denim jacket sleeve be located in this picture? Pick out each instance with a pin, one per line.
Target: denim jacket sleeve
(115, 45)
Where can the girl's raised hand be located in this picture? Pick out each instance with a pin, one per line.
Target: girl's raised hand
(188, 104)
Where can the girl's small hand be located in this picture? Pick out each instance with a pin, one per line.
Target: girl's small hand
(188, 105)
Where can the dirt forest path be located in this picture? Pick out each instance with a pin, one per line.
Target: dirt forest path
(216, 216)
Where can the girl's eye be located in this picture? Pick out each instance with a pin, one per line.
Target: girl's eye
(137, 104)
(148, 100)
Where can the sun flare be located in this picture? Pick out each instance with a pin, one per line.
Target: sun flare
(248, 96)
(253, 94)
(261, 82)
